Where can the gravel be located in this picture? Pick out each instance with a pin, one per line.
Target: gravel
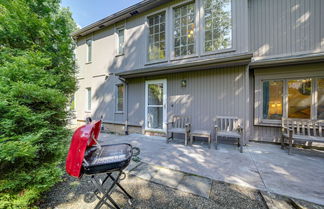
(73, 193)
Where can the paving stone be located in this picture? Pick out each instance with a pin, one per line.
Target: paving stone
(144, 171)
(195, 185)
(168, 177)
(274, 202)
(132, 165)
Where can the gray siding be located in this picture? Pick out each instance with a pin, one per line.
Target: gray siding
(286, 27)
(261, 132)
(208, 93)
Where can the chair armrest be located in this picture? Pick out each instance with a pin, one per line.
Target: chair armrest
(188, 126)
(168, 124)
(239, 129)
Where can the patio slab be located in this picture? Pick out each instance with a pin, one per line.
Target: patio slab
(261, 166)
(195, 185)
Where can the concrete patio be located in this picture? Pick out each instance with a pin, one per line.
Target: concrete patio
(262, 166)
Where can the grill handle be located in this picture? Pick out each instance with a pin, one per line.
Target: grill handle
(135, 151)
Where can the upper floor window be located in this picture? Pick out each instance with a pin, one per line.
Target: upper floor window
(184, 30)
(217, 25)
(120, 98)
(89, 50)
(120, 41)
(88, 101)
(156, 44)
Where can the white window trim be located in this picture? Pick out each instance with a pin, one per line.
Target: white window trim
(165, 109)
(258, 103)
(87, 110)
(202, 34)
(87, 54)
(197, 12)
(147, 33)
(117, 29)
(116, 100)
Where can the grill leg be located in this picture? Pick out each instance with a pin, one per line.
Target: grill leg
(105, 195)
(118, 184)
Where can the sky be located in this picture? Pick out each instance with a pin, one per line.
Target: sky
(85, 12)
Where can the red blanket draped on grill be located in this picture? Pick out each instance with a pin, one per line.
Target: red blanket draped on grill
(82, 138)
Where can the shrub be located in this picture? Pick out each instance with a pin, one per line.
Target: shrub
(36, 82)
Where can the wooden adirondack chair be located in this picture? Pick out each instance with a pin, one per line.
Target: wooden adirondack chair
(229, 127)
(178, 125)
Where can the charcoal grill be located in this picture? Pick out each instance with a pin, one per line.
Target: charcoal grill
(87, 157)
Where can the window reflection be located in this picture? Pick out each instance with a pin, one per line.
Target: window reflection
(272, 99)
(320, 98)
(299, 98)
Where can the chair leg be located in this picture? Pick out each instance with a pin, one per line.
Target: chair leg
(282, 142)
(216, 142)
(290, 146)
(241, 144)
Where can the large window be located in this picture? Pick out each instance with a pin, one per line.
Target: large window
(320, 98)
(88, 101)
(156, 46)
(217, 25)
(120, 98)
(184, 30)
(272, 99)
(299, 98)
(89, 50)
(304, 98)
(120, 41)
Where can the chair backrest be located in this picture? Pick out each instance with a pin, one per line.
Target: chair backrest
(304, 127)
(227, 123)
(179, 121)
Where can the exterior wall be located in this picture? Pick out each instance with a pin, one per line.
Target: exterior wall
(268, 28)
(208, 93)
(284, 28)
(106, 63)
(263, 132)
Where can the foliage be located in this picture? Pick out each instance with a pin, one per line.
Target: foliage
(36, 82)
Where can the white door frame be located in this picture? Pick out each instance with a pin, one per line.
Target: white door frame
(164, 124)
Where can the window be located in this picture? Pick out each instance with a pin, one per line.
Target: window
(120, 98)
(272, 99)
(88, 101)
(217, 25)
(156, 46)
(184, 30)
(320, 98)
(120, 44)
(299, 98)
(89, 50)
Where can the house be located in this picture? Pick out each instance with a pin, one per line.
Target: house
(259, 60)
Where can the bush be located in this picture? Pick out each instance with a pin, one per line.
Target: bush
(36, 82)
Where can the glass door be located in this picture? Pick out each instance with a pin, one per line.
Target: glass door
(155, 105)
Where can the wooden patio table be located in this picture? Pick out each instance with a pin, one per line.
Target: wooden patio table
(200, 133)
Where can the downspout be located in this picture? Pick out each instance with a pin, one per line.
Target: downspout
(126, 108)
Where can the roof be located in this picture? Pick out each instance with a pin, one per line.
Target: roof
(133, 10)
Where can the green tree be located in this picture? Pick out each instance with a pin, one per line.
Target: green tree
(36, 82)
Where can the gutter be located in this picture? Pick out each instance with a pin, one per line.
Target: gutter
(240, 59)
(288, 60)
(119, 16)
